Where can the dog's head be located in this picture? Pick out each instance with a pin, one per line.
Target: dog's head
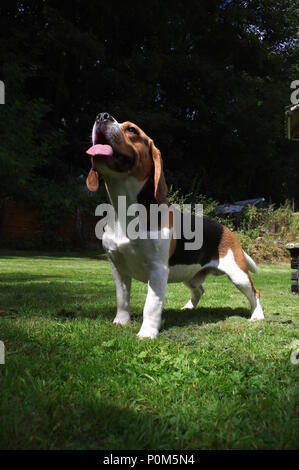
(124, 149)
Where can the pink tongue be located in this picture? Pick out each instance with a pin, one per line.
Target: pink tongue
(100, 150)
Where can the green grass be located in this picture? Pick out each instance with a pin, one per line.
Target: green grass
(74, 380)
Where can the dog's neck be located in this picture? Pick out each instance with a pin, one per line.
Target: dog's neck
(129, 187)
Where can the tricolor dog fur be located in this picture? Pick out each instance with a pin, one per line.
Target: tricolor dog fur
(132, 166)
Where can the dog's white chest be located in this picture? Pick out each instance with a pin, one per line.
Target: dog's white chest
(135, 258)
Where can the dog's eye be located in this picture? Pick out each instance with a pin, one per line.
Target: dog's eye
(132, 130)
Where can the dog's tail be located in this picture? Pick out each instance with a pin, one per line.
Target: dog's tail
(250, 263)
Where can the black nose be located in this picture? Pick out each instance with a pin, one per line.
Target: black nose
(102, 117)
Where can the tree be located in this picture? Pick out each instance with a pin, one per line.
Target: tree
(207, 80)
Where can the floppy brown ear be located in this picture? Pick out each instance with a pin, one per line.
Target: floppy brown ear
(161, 189)
(92, 180)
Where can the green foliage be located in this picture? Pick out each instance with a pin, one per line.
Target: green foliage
(176, 196)
(265, 232)
(21, 150)
(207, 80)
(26, 143)
(55, 204)
(265, 220)
(295, 223)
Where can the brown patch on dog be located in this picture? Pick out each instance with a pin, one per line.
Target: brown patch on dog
(92, 180)
(138, 145)
(143, 166)
(161, 189)
(257, 292)
(147, 157)
(230, 241)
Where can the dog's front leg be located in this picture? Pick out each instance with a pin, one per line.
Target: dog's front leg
(152, 311)
(123, 287)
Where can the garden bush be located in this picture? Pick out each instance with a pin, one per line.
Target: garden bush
(263, 232)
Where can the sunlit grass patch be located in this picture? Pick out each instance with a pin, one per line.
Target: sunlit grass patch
(74, 380)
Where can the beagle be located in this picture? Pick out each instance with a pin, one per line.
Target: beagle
(131, 166)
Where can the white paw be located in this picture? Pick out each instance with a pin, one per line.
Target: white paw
(148, 332)
(122, 319)
(257, 315)
(189, 305)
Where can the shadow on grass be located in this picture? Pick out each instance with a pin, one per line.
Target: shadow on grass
(56, 394)
(63, 414)
(95, 424)
(77, 313)
(63, 298)
(171, 318)
(201, 316)
(66, 300)
(56, 295)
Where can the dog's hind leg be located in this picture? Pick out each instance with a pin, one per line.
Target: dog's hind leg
(244, 283)
(240, 277)
(196, 289)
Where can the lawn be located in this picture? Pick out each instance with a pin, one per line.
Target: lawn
(212, 379)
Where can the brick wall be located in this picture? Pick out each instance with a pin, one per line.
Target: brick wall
(20, 225)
